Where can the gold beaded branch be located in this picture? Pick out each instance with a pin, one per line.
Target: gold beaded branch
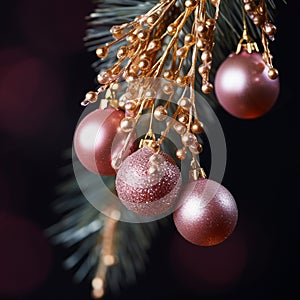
(143, 55)
(259, 15)
(156, 45)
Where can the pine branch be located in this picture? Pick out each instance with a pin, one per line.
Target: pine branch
(80, 231)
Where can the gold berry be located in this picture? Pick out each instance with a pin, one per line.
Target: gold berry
(102, 52)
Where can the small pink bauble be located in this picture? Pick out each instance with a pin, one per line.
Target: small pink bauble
(98, 139)
(243, 87)
(145, 194)
(207, 213)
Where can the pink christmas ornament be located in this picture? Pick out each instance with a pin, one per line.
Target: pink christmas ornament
(98, 139)
(243, 87)
(207, 213)
(148, 184)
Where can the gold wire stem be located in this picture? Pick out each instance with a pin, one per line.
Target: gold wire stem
(129, 135)
(169, 125)
(108, 45)
(169, 101)
(166, 131)
(202, 9)
(179, 66)
(246, 43)
(171, 4)
(267, 55)
(160, 63)
(260, 19)
(159, 5)
(151, 119)
(217, 12)
(192, 87)
(174, 58)
(192, 74)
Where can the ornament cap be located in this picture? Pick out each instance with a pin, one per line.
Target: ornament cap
(246, 43)
(150, 142)
(197, 173)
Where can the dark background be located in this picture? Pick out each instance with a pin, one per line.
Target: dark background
(45, 72)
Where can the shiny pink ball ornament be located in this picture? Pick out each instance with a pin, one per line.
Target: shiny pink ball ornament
(144, 190)
(98, 139)
(243, 87)
(207, 213)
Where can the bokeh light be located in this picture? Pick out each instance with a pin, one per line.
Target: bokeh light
(30, 90)
(25, 256)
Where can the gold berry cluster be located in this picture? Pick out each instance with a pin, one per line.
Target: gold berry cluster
(159, 44)
(259, 15)
(172, 41)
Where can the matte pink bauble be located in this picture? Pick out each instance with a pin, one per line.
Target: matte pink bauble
(243, 87)
(98, 139)
(145, 194)
(207, 213)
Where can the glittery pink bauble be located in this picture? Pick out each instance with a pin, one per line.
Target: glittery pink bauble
(98, 139)
(243, 87)
(144, 194)
(207, 213)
